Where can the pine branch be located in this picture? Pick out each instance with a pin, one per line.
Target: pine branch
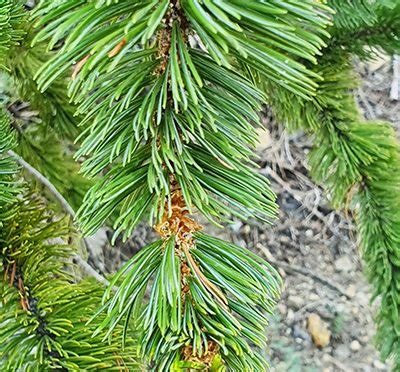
(41, 137)
(170, 127)
(358, 162)
(54, 109)
(11, 15)
(362, 27)
(21, 61)
(42, 310)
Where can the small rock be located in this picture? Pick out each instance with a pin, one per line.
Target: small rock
(264, 139)
(282, 309)
(305, 249)
(351, 290)
(355, 310)
(355, 345)
(295, 301)
(285, 239)
(309, 233)
(313, 297)
(290, 316)
(246, 229)
(298, 332)
(379, 365)
(344, 264)
(319, 331)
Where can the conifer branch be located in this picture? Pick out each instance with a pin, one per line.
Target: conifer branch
(170, 127)
(357, 161)
(168, 124)
(41, 138)
(42, 310)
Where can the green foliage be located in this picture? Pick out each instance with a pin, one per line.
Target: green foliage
(166, 105)
(378, 220)
(266, 36)
(53, 107)
(10, 17)
(21, 61)
(168, 110)
(187, 114)
(351, 15)
(43, 312)
(8, 167)
(44, 151)
(362, 27)
(171, 318)
(40, 146)
(42, 134)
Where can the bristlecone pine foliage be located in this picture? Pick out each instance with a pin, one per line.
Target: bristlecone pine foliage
(169, 120)
(167, 94)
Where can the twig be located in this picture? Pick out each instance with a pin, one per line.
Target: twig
(368, 109)
(395, 88)
(90, 271)
(43, 180)
(308, 273)
(68, 209)
(290, 268)
(314, 211)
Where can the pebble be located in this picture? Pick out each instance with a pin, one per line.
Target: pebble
(355, 345)
(298, 332)
(355, 310)
(290, 316)
(295, 301)
(264, 139)
(351, 290)
(285, 239)
(318, 330)
(246, 229)
(313, 297)
(344, 264)
(309, 233)
(379, 365)
(282, 309)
